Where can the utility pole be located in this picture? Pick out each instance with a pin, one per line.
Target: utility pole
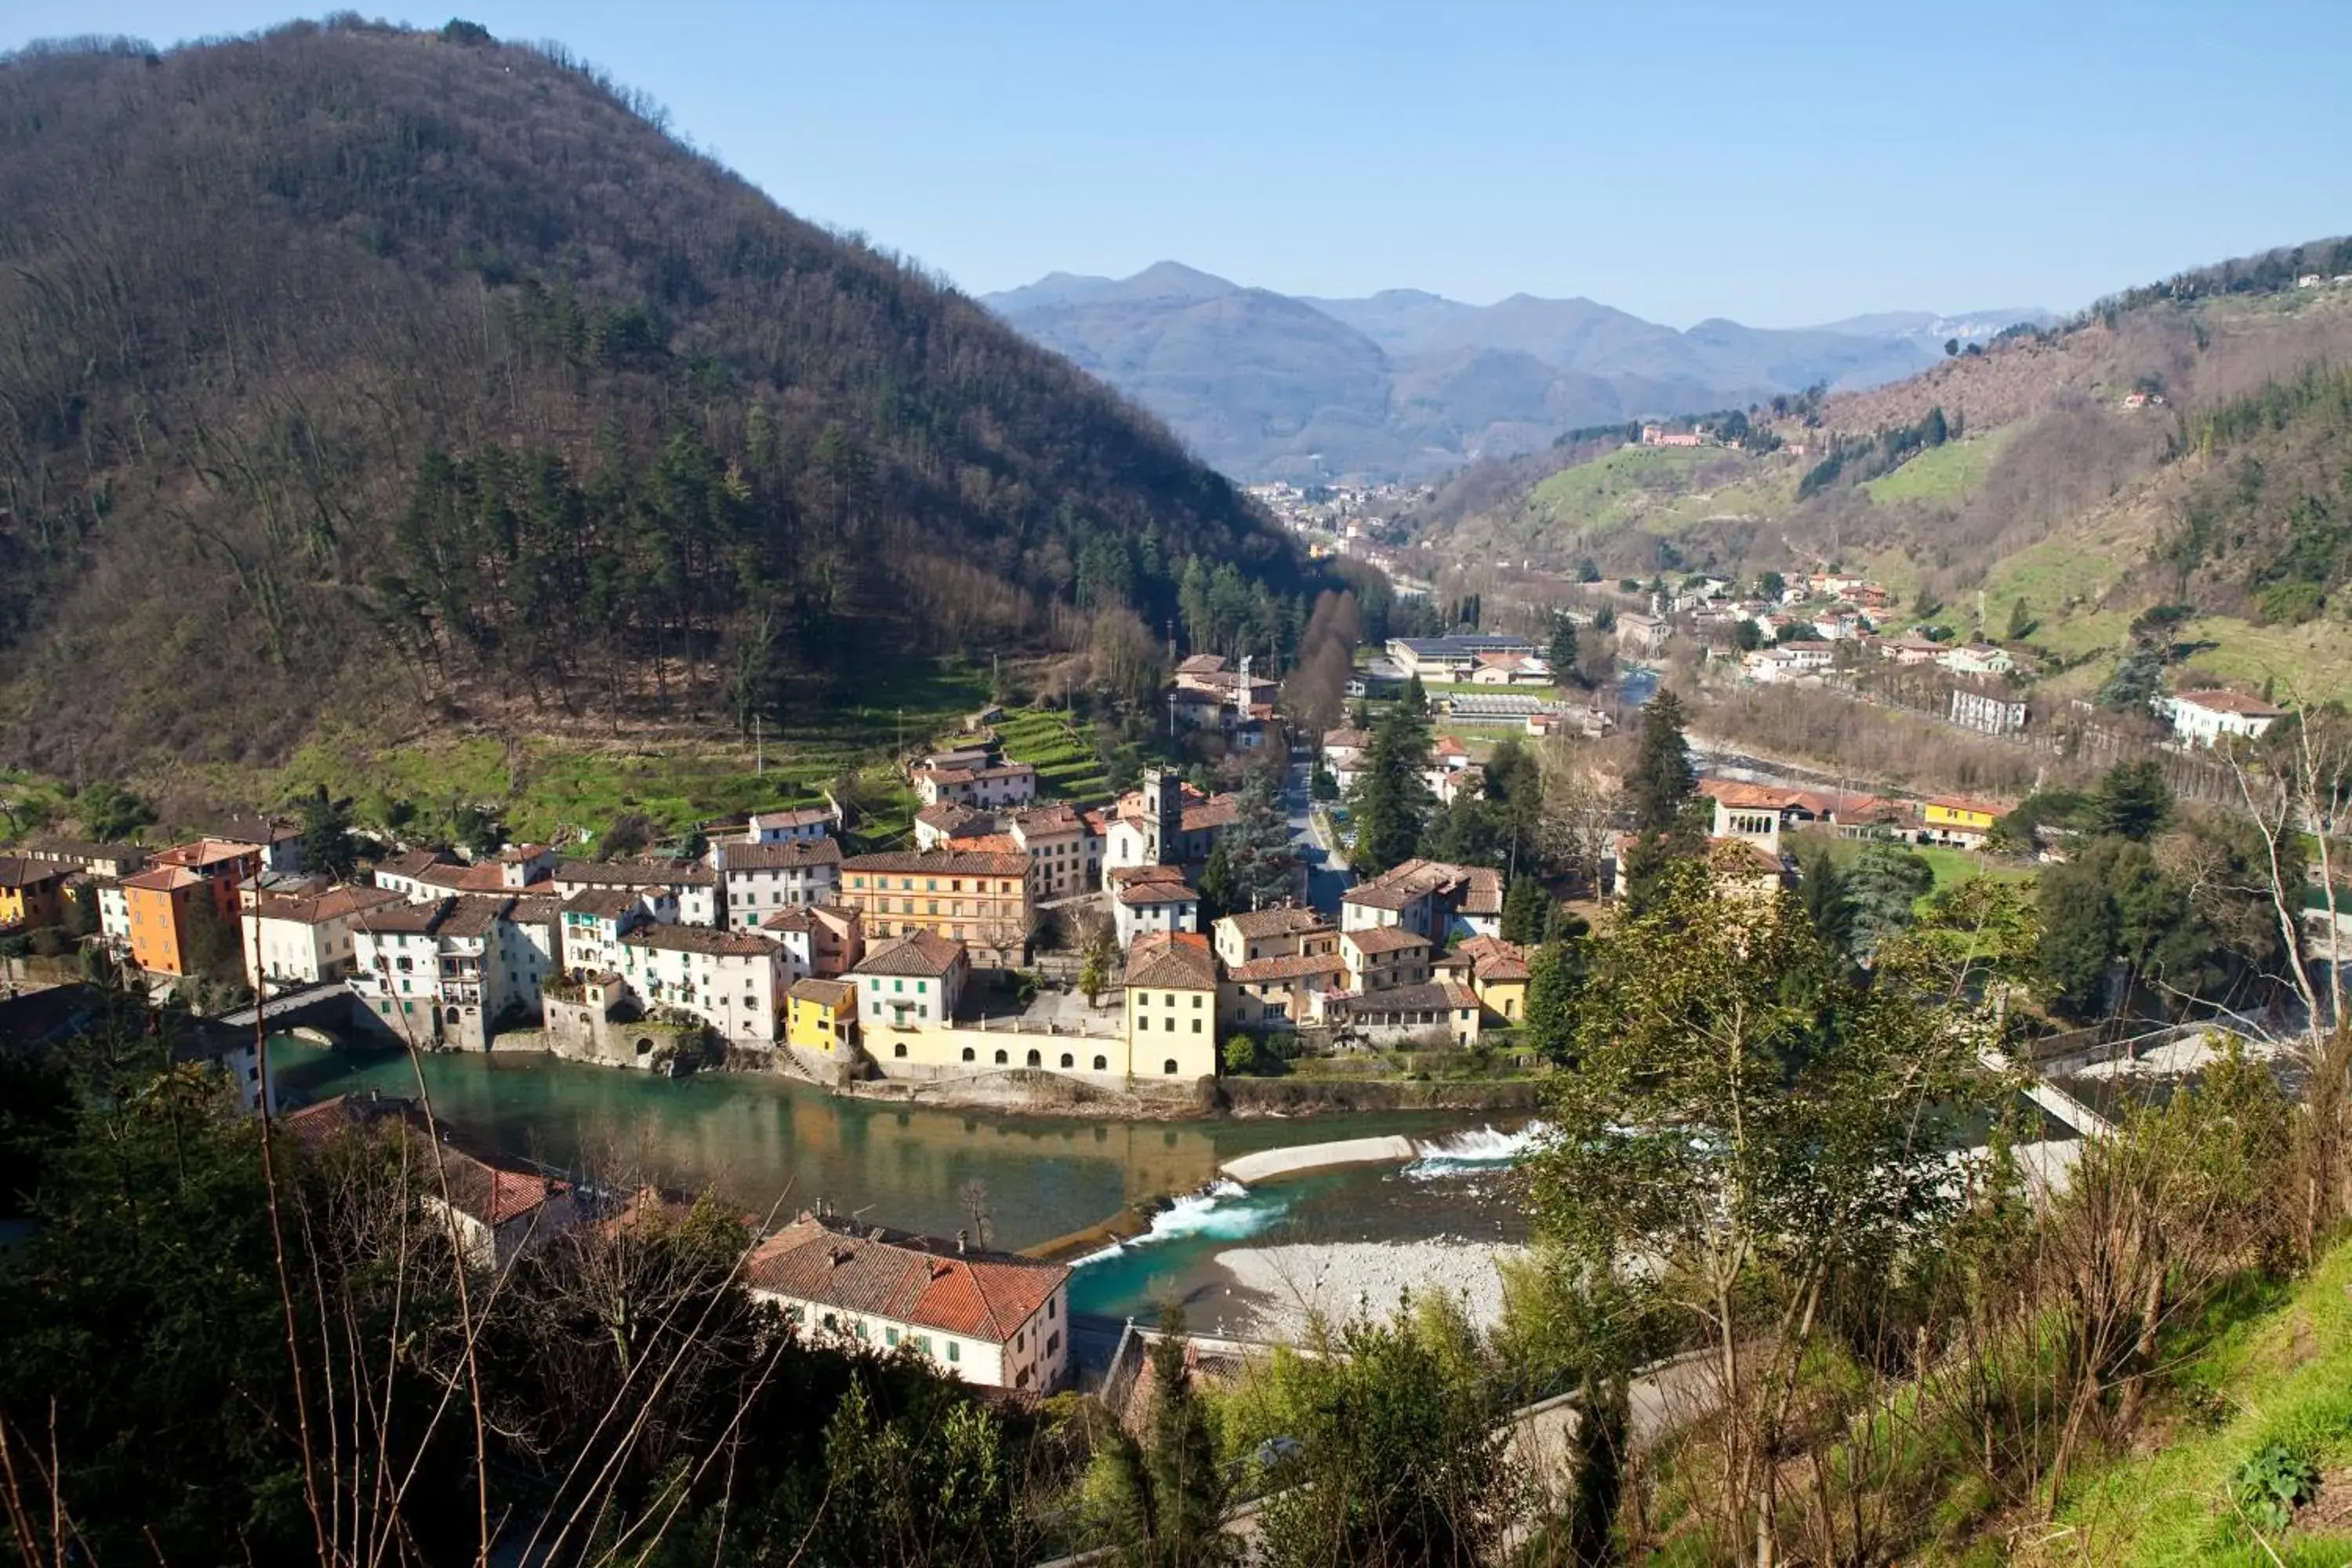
(759, 749)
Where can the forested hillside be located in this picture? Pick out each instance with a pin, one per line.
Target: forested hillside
(357, 370)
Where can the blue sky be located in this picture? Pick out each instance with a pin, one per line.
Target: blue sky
(1777, 164)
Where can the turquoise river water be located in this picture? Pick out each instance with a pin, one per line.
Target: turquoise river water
(764, 1141)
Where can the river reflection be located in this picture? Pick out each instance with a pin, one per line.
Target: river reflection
(761, 1138)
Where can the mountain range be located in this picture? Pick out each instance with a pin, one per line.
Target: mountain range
(2185, 445)
(1407, 384)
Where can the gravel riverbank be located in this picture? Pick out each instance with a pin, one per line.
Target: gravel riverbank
(1284, 1286)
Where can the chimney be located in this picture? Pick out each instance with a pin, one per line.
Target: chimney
(960, 1244)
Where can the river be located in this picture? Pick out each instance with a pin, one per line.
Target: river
(760, 1140)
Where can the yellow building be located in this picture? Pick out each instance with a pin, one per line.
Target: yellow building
(32, 892)
(821, 1014)
(1495, 971)
(1966, 822)
(1171, 1006)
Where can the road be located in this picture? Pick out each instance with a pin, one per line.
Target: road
(1327, 863)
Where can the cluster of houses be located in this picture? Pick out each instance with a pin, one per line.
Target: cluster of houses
(991, 1318)
(776, 938)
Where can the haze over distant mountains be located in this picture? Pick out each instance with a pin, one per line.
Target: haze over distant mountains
(1406, 384)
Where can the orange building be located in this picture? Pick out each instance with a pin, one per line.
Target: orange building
(161, 900)
(975, 896)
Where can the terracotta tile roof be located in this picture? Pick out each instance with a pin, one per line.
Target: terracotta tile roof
(1437, 996)
(1144, 894)
(85, 850)
(1492, 959)
(316, 908)
(1200, 664)
(698, 939)
(796, 817)
(792, 919)
(17, 871)
(489, 877)
(1286, 919)
(2231, 702)
(825, 993)
(1218, 811)
(1383, 939)
(163, 879)
(1292, 966)
(920, 953)
(1474, 890)
(314, 1125)
(403, 919)
(1739, 855)
(494, 1194)
(1127, 876)
(415, 862)
(960, 775)
(988, 843)
(634, 874)
(536, 910)
(604, 903)
(201, 853)
(1178, 960)
(1756, 797)
(1347, 740)
(790, 855)
(1049, 821)
(950, 816)
(909, 1279)
(475, 918)
(941, 863)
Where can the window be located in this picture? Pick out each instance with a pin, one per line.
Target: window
(955, 1350)
(1033, 1059)
(1171, 1001)
(1100, 1064)
(1068, 1060)
(1000, 1059)
(967, 1053)
(1052, 1344)
(1049, 1308)
(1196, 1002)
(890, 1337)
(1196, 1025)
(899, 1049)
(1141, 1022)
(923, 1343)
(897, 985)
(1170, 1067)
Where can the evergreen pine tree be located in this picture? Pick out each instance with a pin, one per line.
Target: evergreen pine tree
(1561, 654)
(1662, 778)
(1257, 846)
(1391, 802)
(1526, 911)
(1218, 887)
(1162, 1501)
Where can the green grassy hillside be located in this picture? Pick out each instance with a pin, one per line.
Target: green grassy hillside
(2276, 1379)
(2178, 447)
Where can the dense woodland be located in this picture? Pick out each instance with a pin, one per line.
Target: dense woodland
(353, 367)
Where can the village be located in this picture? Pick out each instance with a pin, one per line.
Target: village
(1073, 949)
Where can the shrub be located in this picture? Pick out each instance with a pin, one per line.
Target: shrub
(2275, 1479)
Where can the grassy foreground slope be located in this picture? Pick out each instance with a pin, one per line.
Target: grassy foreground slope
(2277, 1378)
